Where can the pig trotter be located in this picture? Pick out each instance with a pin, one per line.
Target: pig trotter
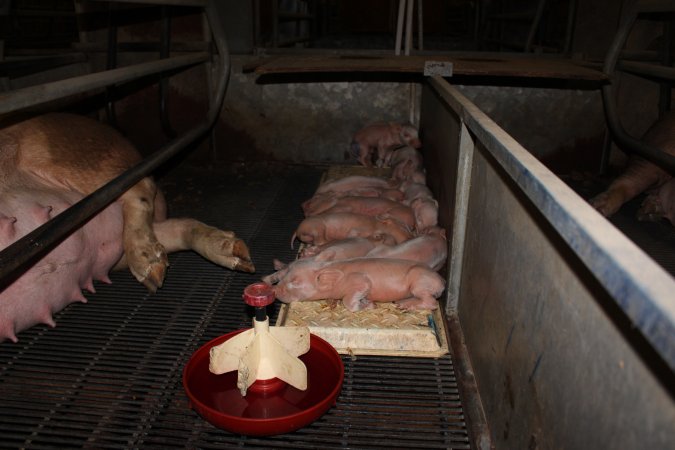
(608, 202)
(357, 299)
(148, 264)
(414, 303)
(651, 209)
(220, 247)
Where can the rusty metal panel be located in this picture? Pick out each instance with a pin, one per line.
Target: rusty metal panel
(568, 325)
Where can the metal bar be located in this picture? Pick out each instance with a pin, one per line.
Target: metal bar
(667, 60)
(399, 26)
(111, 63)
(463, 184)
(648, 70)
(640, 288)
(655, 6)
(621, 137)
(535, 25)
(39, 63)
(639, 55)
(475, 414)
(275, 23)
(409, 26)
(206, 31)
(164, 80)
(569, 29)
(198, 3)
(183, 47)
(420, 27)
(37, 95)
(16, 256)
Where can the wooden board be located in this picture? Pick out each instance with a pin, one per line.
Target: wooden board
(475, 65)
(385, 330)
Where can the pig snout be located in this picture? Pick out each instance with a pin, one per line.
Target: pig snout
(426, 213)
(410, 136)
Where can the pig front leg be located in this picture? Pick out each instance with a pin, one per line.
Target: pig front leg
(651, 209)
(218, 246)
(364, 154)
(356, 297)
(383, 156)
(143, 253)
(638, 177)
(609, 202)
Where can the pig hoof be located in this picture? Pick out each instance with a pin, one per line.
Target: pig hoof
(221, 247)
(154, 278)
(234, 254)
(605, 204)
(651, 209)
(149, 265)
(243, 266)
(412, 304)
(240, 250)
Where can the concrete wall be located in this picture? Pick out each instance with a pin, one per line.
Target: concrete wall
(314, 121)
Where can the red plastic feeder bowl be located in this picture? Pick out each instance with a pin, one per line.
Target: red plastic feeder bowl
(270, 407)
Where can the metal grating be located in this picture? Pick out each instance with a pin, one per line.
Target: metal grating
(109, 375)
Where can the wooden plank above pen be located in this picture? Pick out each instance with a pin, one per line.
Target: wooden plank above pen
(474, 65)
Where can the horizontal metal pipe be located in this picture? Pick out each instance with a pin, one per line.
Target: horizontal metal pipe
(648, 70)
(18, 255)
(180, 47)
(37, 95)
(199, 3)
(655, 6)
(33, 64)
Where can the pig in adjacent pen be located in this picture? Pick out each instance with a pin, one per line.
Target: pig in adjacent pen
(407, 164)
(641, 175)
(50, 162)
(378, 140)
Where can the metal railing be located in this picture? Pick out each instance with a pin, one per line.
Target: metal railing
(16, 257)
(663, 73)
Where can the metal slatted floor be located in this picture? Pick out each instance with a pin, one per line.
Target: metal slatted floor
(109, 375)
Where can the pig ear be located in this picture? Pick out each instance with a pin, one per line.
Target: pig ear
(326, 255)
(326, 279)
(278, 265)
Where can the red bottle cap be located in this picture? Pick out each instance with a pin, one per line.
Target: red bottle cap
(258, 294)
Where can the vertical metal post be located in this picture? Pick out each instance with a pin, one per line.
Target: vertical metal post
(535, 25)
(111, 63)
(256, 24)
(399, 27)
(275, 23)
(569, 30)
(164, 51)
(456, 243)
(666, 60)
(408, 26)
(420, 28)
(210, 72)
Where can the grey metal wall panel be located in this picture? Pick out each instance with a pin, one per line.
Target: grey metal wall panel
(566, 322)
